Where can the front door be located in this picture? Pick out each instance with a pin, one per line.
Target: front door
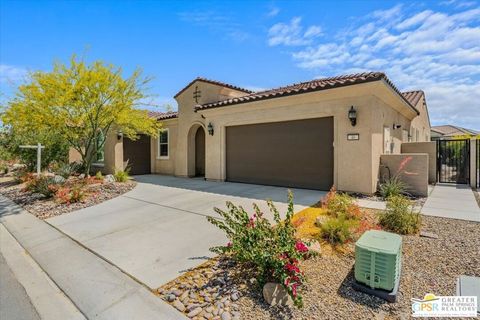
(200, 152)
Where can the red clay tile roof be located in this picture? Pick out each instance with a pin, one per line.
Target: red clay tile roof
(223, 84)
(413, 96)
(162, 115)
(309, 86)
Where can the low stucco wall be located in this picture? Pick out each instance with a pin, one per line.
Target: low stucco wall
(429, 148)
(413, 172)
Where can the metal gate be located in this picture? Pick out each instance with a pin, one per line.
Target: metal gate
(477, 162)
(453, 161)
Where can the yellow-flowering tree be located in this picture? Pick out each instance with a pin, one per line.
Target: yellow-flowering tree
(82, 103)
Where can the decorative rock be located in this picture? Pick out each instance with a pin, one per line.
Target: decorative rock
(209, 309)
(207, 315)
(427, 234)
(184, 296)
(180, 306)
(194, 312)
(275, 294)
(235, 296)
(170, 297)
(315, 247)
(226, 316)
(59, 179)
(81, 176)
(177, 292)
(109, 178)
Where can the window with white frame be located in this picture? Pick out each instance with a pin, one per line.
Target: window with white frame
(163, 145)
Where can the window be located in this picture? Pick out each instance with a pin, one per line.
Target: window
(387, 145)
(163, 139)
(405, 135)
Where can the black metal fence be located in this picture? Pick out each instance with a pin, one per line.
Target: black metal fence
(453, 161)
(477, 162)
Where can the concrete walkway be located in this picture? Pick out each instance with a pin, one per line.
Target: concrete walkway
(97, 288)
(452, 201)
(159, 230)
(26, 291)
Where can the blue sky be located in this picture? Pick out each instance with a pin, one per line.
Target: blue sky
(429, 45)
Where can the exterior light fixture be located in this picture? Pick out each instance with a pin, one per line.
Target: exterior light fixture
(210, 129)
(119, 135)
(397, 126)
(352, 116)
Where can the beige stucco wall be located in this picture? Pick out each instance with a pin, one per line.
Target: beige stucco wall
(113, 155)
(355, 164)
(161, 165)
(189, 121)
(415, 172)
(429, 148)
(421, 123)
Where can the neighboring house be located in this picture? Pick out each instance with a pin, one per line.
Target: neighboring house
(450, 132)
(312, 134)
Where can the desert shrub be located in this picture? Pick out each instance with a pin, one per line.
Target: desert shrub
(121, 175)
(272, 250)
(43, 185)
(70, 195)
(400, 216)
(340, 205)
(392, 187)
(337, 230)
(65, 169)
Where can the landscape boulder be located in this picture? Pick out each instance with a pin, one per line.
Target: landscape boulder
(275, 294)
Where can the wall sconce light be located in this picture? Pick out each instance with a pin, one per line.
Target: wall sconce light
(119, 135)
(397, 126)
(210, 129)
(352, 116)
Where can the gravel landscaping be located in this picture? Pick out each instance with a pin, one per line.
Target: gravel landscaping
(44, 208)
(220, 289)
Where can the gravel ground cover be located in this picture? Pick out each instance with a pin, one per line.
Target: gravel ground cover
(43, 208)
(220, 289)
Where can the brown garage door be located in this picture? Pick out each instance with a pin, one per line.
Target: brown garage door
(137, 152)
(292, 154)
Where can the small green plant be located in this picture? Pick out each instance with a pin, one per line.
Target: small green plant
(43, 185)
(400, 216)
(392, 187)
(66, 169)
(340, 205)
(272, 250)
(121, 175)
(337, 230)
(99, 176)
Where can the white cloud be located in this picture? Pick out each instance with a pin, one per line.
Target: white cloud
(438, 52)
(273, 12)
(292, 34)
(12, 74)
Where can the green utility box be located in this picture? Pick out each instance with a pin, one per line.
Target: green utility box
(378, 256)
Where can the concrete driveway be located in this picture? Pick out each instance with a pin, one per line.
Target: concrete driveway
(159, 229)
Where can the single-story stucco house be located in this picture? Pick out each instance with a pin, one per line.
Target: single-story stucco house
(313, 134)
(451, 132)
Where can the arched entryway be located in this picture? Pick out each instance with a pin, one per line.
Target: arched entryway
(200, 152)
(196, 150)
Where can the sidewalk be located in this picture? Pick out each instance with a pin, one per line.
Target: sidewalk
(26, 291)
(452, 201)
(97, 288)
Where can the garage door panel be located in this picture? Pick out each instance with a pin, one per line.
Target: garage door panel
(137, 153)
(294, 153)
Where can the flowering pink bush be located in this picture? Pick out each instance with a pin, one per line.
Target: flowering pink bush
(272, 250)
